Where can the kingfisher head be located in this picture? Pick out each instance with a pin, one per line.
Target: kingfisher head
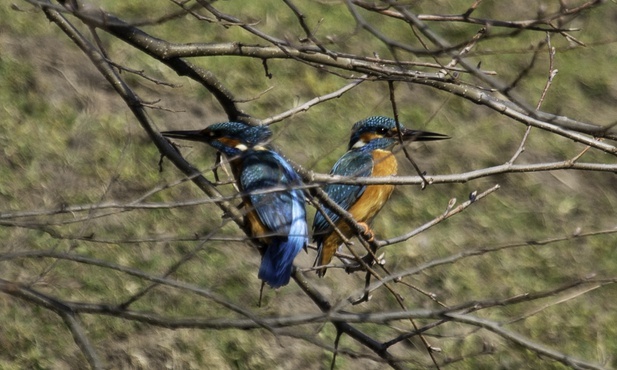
(382, 132)
(230, 138)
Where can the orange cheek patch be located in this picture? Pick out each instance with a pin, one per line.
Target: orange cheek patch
(368, 136)
(229, 142)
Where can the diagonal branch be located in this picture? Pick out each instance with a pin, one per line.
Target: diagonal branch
(522, 341)
(172, 55)
(81, 339)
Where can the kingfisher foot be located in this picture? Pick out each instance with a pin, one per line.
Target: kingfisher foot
(367, 233)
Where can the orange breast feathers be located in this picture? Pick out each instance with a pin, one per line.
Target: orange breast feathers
(257, 228)
(367, 206)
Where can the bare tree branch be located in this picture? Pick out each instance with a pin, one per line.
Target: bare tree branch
(50, 235)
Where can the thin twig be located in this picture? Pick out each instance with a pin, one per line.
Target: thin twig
(313, 102)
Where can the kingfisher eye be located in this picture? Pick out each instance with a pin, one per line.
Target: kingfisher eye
(382, 130)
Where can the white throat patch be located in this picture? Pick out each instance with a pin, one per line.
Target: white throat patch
(241, 147)
(359, 144)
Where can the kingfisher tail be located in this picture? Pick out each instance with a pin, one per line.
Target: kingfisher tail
(277, 261)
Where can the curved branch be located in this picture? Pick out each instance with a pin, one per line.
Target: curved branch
(131, 272)
(468, 176)
(522, 341)
(171, 54)
(476, 252)
(541, 24)
(134, 104)
(81, 339)
(339, 319)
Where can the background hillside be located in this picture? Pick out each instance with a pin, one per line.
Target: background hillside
(89, 217)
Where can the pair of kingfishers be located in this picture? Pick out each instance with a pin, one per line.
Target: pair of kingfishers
(273, 198)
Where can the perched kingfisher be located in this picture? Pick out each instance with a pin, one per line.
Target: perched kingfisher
(369, 155)
(271, 197)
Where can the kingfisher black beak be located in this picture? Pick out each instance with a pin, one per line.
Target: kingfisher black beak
(192, 135)
(417, 135)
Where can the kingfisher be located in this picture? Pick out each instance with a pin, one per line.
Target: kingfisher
(369, 155)
(272, 198)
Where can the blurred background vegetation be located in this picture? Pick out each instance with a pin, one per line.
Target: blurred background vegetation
(67, 139)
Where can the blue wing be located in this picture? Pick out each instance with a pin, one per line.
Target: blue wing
(281, 212)
(353, 163)
(265, 170)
